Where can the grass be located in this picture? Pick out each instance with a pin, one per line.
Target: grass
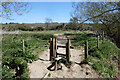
(49, 75)
(13, 56)
(50, 32)
(99, 58)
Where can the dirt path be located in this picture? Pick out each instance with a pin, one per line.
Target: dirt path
(38, 69)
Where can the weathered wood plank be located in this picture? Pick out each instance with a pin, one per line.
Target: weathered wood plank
(62, 46)
(61, 54)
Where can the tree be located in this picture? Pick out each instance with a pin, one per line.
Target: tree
(95, 11)
(73, 24)
(106, 13)
(10, 8)
(48, 21)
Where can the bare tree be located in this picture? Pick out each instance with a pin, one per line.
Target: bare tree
(48, 21)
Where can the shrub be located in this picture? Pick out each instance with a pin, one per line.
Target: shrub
(39, 28)
(25, 28)
(13, 67)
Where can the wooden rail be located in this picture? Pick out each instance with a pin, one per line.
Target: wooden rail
(62, 46)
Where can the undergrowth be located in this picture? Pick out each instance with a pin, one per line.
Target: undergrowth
(102, 58)
(14, 64)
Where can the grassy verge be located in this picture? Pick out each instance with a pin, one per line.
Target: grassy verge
(103, 59)
(14, 64)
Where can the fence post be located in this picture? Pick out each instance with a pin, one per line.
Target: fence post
(97, 41)
(103, 36)
(86, 49)
(55, 65)
(53, 48)
(68, 50)
(51, 51)
(97, 33)
(23, 46)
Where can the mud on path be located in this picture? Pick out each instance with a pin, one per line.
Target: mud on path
(38, 69)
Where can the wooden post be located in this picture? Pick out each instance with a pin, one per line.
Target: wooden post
(23, 46)
(103, 36)
(96, 32)
(56, 47)
(97, 41)
(86, 49)
(55, 65)
(51, 51)
(68, 50)
(53, 48)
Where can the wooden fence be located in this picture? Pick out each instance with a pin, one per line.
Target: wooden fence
(54, 47)
(98, 43)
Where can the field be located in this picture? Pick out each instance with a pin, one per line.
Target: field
(103, 59)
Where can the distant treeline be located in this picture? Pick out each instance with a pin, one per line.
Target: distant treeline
(50, 26)
(112, 31)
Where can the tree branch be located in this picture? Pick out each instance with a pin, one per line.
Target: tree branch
(98, 15)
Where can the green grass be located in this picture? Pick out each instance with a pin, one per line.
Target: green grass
(50, 32)
(13, 56)
(99, 58)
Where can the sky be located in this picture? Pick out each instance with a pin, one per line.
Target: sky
(57, 11)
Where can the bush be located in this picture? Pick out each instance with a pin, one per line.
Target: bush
(13, 67)
(43, 36)
(39, 28)
(24, 28)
